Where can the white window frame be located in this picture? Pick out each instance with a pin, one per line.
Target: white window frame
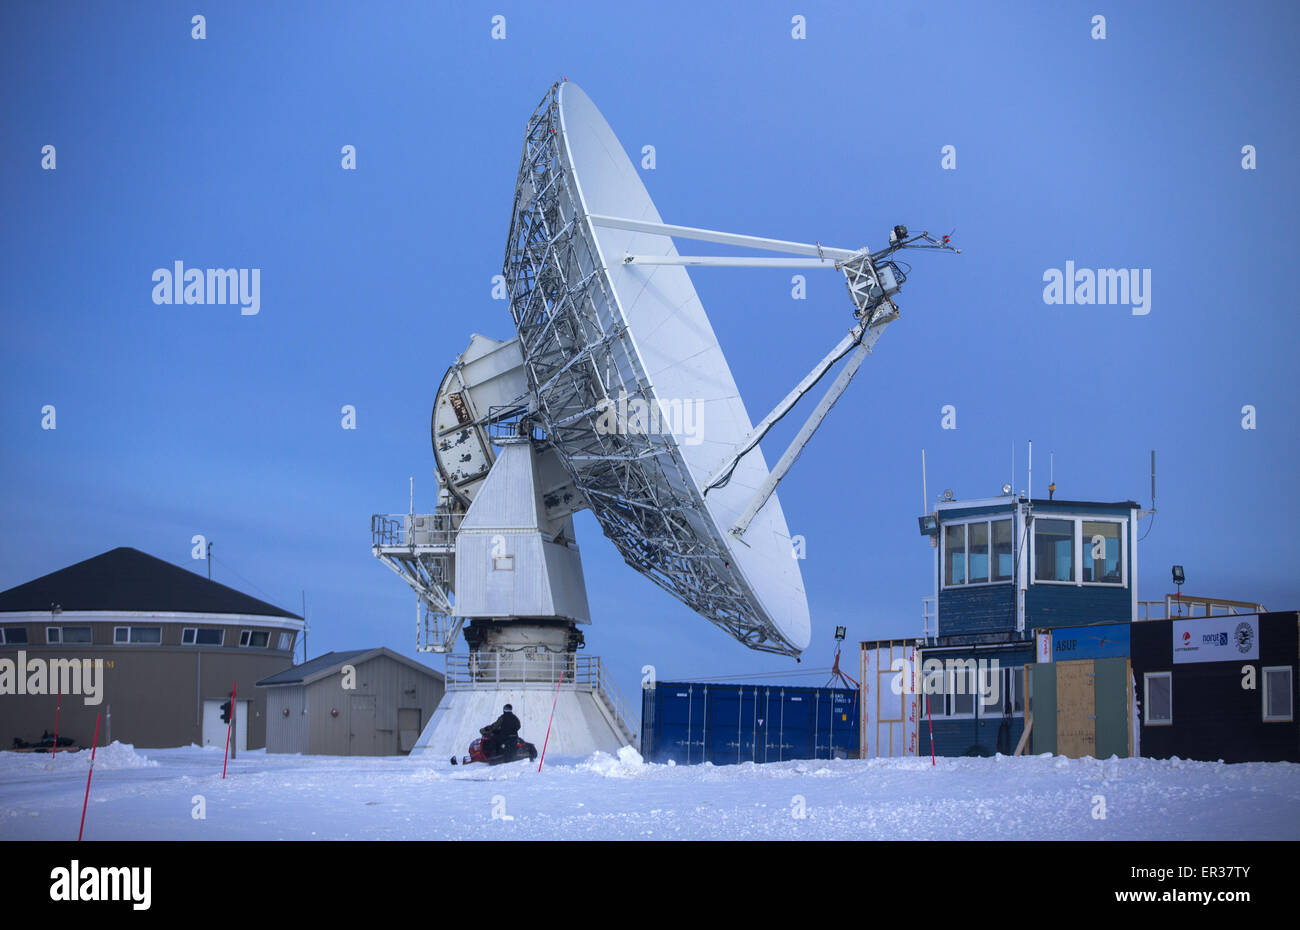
(989, 520)
(1078, 520)
(246, 639)
(60, 640)
(938, 705)
(1010, 686)
(137, 626)
(1146, 699)
(1290, 681)
(972, 691)
(286, 641)
(193, 641)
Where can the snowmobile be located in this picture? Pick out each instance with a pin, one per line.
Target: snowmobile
(45, 744)
(478, 751)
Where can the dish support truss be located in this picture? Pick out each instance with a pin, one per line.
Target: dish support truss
(576, 355)
(575, 352)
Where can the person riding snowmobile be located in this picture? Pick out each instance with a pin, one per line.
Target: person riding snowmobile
(504, 734)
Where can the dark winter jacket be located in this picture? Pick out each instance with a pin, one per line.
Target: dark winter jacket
(506, 725)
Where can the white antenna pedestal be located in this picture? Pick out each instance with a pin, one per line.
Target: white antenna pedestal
(519, 583)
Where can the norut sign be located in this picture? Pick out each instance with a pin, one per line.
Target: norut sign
(53, 676)
(105, 883)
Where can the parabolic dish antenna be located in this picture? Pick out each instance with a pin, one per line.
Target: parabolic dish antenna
(600, 336)
(617, 385)
(609, 321)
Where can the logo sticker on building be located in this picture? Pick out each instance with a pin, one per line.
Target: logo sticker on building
(1216, 639)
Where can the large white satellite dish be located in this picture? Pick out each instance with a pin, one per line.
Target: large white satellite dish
(614, 397)
(596, 328)
(605, 309)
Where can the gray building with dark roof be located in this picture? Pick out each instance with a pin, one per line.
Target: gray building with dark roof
(365, 702)
(151, 647)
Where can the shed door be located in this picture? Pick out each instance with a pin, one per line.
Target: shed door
(1076, 702)
(408, 728)
(364, 736)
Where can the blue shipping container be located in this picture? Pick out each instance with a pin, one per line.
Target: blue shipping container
(690, 722)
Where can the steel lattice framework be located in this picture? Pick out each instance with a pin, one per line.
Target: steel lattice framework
(579, 358)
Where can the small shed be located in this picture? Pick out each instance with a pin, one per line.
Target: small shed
(364, 702)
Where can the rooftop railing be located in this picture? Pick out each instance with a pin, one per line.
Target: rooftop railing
(1175, 606)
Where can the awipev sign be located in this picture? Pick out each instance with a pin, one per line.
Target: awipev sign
(1216, 639)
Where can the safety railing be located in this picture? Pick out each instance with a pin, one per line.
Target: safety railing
(1175, 606)
(526, 669)
(411, 530)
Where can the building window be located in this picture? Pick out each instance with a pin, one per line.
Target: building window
(1101, 552)
(968, 557)
(286, 642)
(1277, 693)
(203, 636)
(1092, 551)
(963, 687)
(14, 636)
(1053, 550)
(256, 639)
(1002, 557)
(1010, 700)
(954, 554)
(933, 705)
(977, 540)
(68, 635)
(137, 635)
(1159, 702)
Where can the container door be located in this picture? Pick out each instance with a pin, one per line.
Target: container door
(680, 723)
(731, 725)
(839, 733)
(789, 731)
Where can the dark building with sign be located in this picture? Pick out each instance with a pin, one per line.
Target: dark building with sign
(1221, 687)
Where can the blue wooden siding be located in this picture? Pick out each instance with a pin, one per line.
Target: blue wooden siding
(1048, 605)
(977, 609)
(961, 737)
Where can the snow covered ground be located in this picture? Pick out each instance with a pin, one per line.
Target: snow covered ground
(153, 794)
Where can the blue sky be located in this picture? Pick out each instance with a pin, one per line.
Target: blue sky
(225, 152)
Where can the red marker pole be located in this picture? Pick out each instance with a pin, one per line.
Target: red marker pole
(552, 720)
(58, 707)
(93, 746)
(229, 726)
(930, 720)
